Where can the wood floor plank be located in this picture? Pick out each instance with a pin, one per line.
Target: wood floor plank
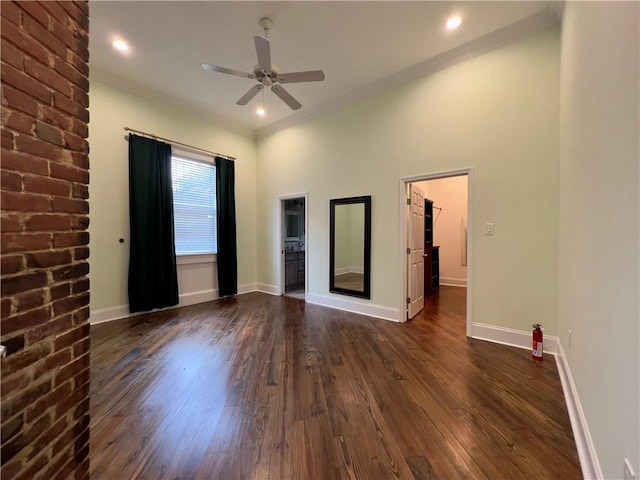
(264, 387)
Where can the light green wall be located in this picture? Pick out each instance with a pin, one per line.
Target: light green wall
(111, 110)
(599, 224)
(497, 113)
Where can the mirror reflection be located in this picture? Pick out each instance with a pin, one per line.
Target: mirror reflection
(350, 246)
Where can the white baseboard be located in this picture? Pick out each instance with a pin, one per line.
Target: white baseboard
(511, 337)
(345, 270)
(584, 443)
(192, 298)
(453, 282)
(270, 289)
(354, 306)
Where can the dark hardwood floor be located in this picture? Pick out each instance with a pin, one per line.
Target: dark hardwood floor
(270, 387)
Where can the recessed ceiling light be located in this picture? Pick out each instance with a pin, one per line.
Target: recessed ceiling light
(120, 45)
(453, 23)
(260, 111)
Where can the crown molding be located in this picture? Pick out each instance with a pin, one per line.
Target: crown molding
(504, 36)
(134, 88)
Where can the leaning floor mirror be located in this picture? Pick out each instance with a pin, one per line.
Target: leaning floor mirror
(350, 246)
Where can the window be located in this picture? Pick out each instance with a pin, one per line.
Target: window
(194, 205)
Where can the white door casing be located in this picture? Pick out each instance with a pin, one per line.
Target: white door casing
(415, 249)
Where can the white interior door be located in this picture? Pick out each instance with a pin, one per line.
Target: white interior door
(415, 251)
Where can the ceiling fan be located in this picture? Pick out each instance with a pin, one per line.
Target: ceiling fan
(266, 74)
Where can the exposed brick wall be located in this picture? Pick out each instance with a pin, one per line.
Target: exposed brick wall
(45, 290)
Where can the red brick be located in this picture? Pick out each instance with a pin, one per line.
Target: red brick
(44, 36)
(47, 330)
(48, 259)
(11, 12)
(15, 383)
(12, 404)
(49, 134)
(35, 10)
(80, 253)
(77, 13)
(69, 106)
(70, 205)
(11, 55)
(81, 315)
(47, 401)
(37, 184)
(12, 427)
(60, 291)
(52, 362)
(69, 72)
(25, 242)
(81, 159)
(79, 222)
(74, 239)
(24, 163)
(80, 191)
(69, 172)
(7, 139)
(72, 369)
(20, 322)
(25, 82)
(78, 394)
(71, 271)
(81, 95)
(18, 100)
(73, 142)
(11, 181)
(10, 449)
(25, 202)
(80, 286)
(54, 117)
(22, 283)
(66, 305)
(48, 222)
(25, 43)
(17, 121)
(12, 264)
(78, 63)
(58, 464)
(38, 147)
(81, 347)
(47, 76)
(28, 300)
(79, 128)
(55, 10)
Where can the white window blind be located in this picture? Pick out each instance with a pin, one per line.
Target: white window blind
(194, 206)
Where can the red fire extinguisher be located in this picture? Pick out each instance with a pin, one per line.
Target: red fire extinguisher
(537, 342)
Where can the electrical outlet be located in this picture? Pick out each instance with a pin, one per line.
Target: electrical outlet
(629, 474)
(488, 228)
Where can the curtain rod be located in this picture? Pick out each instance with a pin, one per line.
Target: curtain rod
(173, 142)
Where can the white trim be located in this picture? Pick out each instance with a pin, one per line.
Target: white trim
(512, 337)
(122, 311)
(270, 289)
(207, 258)
(504, 36)
(453, 282)
(584, 443)
(402, 233)
(354, 306)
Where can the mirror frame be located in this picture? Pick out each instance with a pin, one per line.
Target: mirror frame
(366, 200)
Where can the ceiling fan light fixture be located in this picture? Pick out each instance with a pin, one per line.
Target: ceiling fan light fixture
(453, 22)
(260, 111)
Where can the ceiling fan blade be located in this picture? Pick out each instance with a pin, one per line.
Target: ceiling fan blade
(286, 97)
(263, 50)
(294, 77)
(230, 71)
(253, 91)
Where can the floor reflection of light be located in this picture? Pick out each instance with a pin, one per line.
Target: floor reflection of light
(188, 397)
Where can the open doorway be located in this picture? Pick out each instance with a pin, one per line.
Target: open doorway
(436, 215)
(293, 245)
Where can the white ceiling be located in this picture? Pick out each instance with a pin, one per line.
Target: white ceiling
(356, 44)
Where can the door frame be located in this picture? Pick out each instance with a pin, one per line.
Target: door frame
(282, 236)
(402, 234)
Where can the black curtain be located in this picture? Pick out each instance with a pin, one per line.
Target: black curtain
(153, 276)
(226, 223)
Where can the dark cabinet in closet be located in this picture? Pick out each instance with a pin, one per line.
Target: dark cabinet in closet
(431, 252)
